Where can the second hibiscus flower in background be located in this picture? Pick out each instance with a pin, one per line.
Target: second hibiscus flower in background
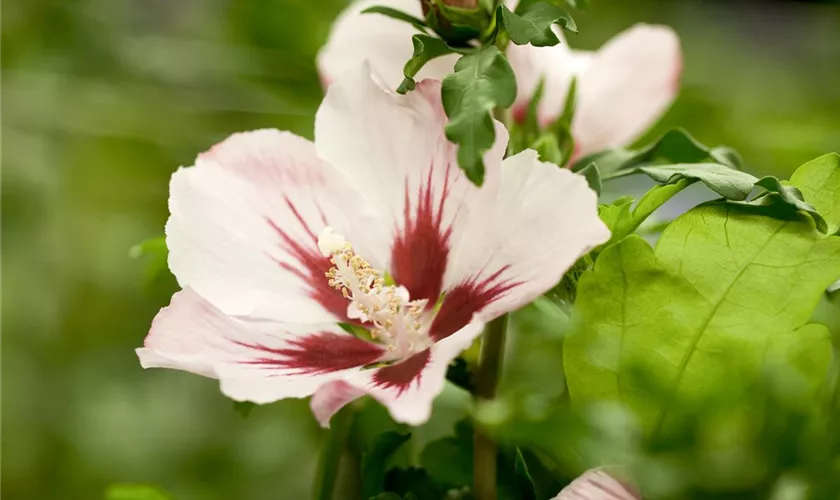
(622, 89)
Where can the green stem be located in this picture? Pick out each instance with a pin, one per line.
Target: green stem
(328, 462)
(487, 378)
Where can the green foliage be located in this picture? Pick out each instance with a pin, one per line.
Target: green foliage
(532, 23)
(243, 408)
(727, 291)
(524, 482)
(375, 459)
(483, 81)
(135, 492)
(426, 48)
(396, 14)
(449, 461)
(623, 217)
(725, 181)
(593, 177)
(675, 146)
(787, 198)
(819, 182)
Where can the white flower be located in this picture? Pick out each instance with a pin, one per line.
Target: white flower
(596, 484)
(275, 240)
(622, 89)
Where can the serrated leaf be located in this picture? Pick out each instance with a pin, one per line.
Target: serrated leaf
(426, 48)
(396, 14)
(675, 146)
(725, 181)
(483, 81)
(725, 290)
(134, 492)
(533, 23)
(375, 459)
(819, 182)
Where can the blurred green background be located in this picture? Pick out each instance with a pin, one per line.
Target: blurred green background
(102, 100)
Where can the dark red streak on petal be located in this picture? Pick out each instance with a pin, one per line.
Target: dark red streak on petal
(466, 299)
(312, 268)
(420, 253)
(318, 353)
(401, 375)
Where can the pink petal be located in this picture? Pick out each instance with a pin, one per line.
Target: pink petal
(256, 361)
(384, 42)
(629, 83)
(330, 398)
(244, 226)
(394, 149)
(596, 484)
(520, 240)
(408, 389)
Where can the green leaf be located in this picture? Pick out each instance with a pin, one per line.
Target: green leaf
(593, 177)
(548, 149)
(413, 483)
(724, 296)
(375, 459)
(396, 14)
(524, 481)
(725, 181)
(675, 146)
(449, 461)
(779, 194)
(819, 182)
(623, 218)
(532, 24)
(426, 48)
(483, 81)
(134, 492)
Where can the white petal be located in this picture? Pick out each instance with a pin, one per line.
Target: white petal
(555, 65)
(244, 225)
(627, 86)
(384, 42)
(259, 362)
(409, 388)
(520, 241)
(330, 398)
(394, 149)
(596, 484)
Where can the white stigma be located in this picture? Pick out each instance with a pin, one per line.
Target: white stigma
(330, 242)
(386, 310)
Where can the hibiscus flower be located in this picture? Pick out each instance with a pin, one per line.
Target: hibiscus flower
(596, 484)
(622, 89)
(362, 263)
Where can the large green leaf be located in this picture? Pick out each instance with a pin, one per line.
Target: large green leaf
(449, 460)
(533, 24)
(726, 294)
(426, 48)
(483, 81)
(819, 182)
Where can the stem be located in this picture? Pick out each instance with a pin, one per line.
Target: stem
(331, 452)
(487, 378)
